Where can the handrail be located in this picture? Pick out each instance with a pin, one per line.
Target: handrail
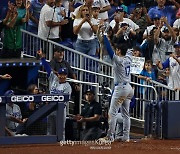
(158, 83)
(67, 48)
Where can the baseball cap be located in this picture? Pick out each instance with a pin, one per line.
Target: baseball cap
(89, 91)
(138, 5)
(156, 16)
(177, 45)
(62, 71)
(119, 9)
(96, 5)
(58, 49)
(124, 24)
(9, 93)
(165, 30)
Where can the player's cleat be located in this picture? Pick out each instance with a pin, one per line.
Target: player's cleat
(121, 139)
(107, 138)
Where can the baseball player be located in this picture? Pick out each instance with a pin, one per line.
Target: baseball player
(57, 85)
(123, 92)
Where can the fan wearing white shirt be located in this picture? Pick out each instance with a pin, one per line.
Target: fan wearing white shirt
(85, 27)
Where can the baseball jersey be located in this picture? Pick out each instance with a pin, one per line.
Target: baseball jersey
(56, 88)
(14, 111)
(174, 77)
(176, 24)
(121, 65)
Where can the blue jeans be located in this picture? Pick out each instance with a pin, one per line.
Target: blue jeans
(86, 46)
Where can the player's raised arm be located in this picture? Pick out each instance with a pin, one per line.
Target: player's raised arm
(108, 47)
(44, 62)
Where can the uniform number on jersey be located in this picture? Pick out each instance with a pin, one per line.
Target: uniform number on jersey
(127, 70)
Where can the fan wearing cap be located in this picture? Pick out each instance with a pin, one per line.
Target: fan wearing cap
(156, 22)
(124, 35)
(168, 11)
(13, 114)
(57, 85)
(115, 24)
(173, 62)
(169, 36)
(58, 62)
(91, 113)
(163, 45)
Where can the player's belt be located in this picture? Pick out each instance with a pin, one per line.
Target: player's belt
(121, 83)
(85, 41)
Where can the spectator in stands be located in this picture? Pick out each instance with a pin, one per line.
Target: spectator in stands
(141, 18)
(176, 26)
(178, 14)
(124, 35)
(35, 9)
(6, 19)
(104, 8)
(156, 21)
(162, 45)
(95, 14)
(91, 113)
(85, 27)
(12, 44)
(48, 23)
(119, 19)
(137, 51)
(147, 46)
(13, 114)
(147, 73)
(165, 11)
(173, 62)
(60, 11)
(88, 3)
(169, 36)
(103, 4)
(5, 76)
(114, 5)
(58, 62)
(57, 85)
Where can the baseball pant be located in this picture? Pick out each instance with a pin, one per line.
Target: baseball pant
(121, 98)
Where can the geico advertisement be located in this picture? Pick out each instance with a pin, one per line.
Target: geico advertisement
(46, 98)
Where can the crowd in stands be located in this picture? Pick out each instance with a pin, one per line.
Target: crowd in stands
(152, 31)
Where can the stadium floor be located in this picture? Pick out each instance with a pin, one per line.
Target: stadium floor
(140, 146)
